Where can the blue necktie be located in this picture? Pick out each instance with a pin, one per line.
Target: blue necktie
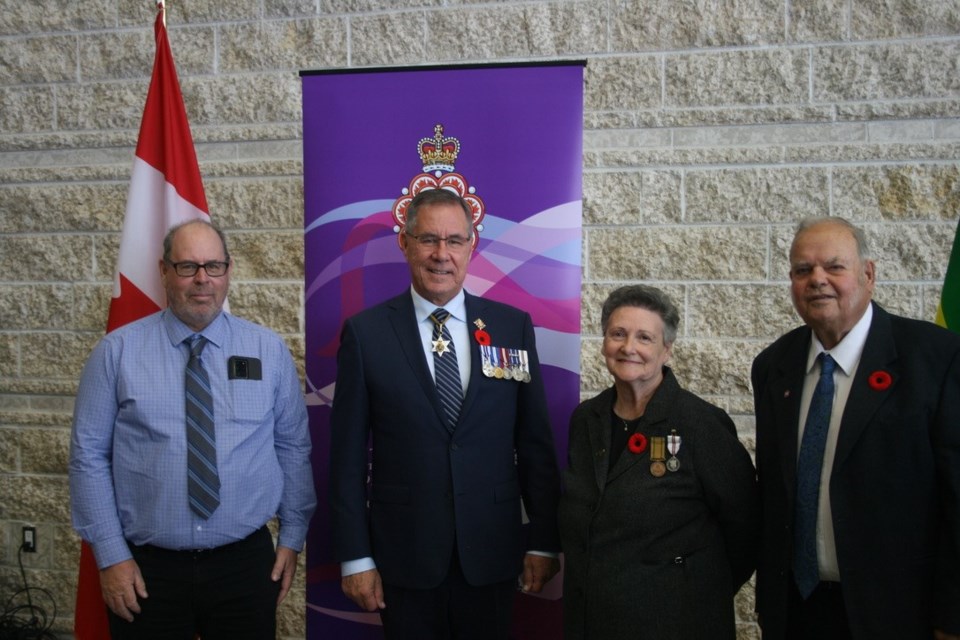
(446, 369)
(203, 484)
(806, 569)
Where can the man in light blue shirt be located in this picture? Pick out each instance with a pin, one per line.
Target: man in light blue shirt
(168, 569)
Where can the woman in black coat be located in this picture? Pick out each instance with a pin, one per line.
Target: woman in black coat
(660, 517)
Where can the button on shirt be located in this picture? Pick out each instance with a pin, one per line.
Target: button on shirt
(128, 448)
(847, 356)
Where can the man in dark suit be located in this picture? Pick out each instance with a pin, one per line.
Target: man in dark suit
(448, 385)
(861, 532)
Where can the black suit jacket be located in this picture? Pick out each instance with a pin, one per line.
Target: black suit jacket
(435, 492)
(895, 486)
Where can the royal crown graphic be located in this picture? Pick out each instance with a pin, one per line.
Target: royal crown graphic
(438, 157)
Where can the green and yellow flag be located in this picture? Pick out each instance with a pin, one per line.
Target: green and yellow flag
(948, 313)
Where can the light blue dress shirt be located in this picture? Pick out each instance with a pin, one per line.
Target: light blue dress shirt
(128, 473)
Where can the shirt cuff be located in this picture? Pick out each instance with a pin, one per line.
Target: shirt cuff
(545, 554)
(359, 565)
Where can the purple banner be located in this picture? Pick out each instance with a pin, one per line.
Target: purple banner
(509, 139)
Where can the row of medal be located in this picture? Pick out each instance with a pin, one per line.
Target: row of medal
(506, 364)
(659, 463)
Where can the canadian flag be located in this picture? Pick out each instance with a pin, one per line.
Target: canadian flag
(165, 190)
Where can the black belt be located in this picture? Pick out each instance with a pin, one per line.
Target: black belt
(151, 550)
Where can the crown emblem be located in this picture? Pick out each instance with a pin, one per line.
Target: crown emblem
(438, 153)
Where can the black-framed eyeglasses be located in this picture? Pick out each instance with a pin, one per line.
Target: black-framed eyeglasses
(214, 269)
(430, 241)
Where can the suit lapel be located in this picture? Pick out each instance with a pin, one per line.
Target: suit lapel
(786, 391)
(598, 430)
(403, 320)
(879, 354)
(474, 307)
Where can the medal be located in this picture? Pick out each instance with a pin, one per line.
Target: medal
(441, 346)
(507, 373)
(486, 360)
(658, 446)
(673, 446)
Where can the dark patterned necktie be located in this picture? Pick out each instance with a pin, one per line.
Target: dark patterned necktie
(446, 369)
(806, 569)
(203, 484)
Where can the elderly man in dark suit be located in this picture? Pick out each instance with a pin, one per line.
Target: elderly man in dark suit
(858, 455)
(448, 385)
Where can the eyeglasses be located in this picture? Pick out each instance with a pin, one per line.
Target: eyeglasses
(430, 241)
(214, 269)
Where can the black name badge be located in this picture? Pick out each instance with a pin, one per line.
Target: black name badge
(244, 368)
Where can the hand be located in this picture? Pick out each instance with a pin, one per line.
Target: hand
(940, 635)
(537, 571)
(121, 584)
(284, 568)
(364, 588)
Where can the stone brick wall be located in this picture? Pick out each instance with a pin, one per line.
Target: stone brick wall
(711, 128)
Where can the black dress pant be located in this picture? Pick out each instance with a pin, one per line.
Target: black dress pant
(455, 610)
(218, 594)
(822, 616)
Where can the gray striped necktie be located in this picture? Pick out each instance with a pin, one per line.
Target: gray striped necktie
(446, 369)
(203, 484)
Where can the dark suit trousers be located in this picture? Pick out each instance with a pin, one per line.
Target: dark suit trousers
(822, 616)
(219, 594)
(455, 610)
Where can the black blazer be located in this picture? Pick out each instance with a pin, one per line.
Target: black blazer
(433, 489)
(658, 558)
(895, 485)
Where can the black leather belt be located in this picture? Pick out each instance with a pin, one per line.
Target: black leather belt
(151, 550)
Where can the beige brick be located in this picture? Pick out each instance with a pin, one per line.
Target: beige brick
(388, 39)
(643, 197)
(195, 11)
(130, 54)
(714, 367)
(46, 59)
(55, 355)
(697, 253)
(622, 83)
(269, 255)
(289, 8)
(766, 77)
(9, 454)
(756, 195)
(44, 451)
(26, 110)
(520, 30)
(283, 44)
(897, 192)
(886, 71)
(739, 311)
(266, 203)
(63, 207)
(873, 19)
(817, 20)
(35, 499)
(645, 25)
(56, 15)
(276, 306)
(242, 99)
(33, 258)
(102, 105)
(32, 306)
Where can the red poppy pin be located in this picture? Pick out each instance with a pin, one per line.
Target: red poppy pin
(637, 443)
(879, 380)
(481, 336)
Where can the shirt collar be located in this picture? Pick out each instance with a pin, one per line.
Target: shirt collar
(848, 351)
(456, 306)
(177, 331)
